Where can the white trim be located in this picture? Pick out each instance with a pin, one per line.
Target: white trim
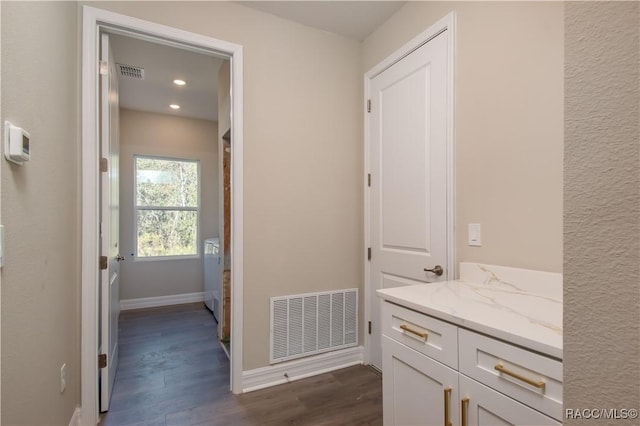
(273, 375)
(90, 192)
(367, 222)
(75, 418)
(451, 140)
(152, 302)
(447, 23)
(237, 219)
(94, 20)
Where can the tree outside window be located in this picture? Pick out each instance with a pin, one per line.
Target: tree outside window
(167, 200)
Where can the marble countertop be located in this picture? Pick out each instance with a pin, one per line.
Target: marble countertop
(514, 310)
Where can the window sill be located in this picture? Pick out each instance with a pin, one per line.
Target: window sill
(166, 258)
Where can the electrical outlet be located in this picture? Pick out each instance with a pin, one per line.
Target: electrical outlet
(63, 378)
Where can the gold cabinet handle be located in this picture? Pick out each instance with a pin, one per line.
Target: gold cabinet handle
(464, 406)
(538, 384)
(447, 396)
(417, 333)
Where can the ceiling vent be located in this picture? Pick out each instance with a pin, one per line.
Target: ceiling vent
(130, 71)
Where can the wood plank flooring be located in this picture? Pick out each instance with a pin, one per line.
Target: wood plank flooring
(173, 371)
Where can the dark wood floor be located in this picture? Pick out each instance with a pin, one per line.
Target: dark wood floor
(173, 372)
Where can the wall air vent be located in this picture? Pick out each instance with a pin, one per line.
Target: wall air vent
(312, 323)
(130, 71)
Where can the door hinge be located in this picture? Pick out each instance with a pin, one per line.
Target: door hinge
(103, 262)
(369, 253)
(369, 179)
(103, 67)
(104, 165)
(368, 105)
(102, 361)
(369, 327)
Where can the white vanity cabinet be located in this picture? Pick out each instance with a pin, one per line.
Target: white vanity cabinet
(417, 387)
(436, 373)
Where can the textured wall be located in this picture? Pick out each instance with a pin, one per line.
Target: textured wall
(602, 207)
(508, 123)
(174, 137)
(40, 211)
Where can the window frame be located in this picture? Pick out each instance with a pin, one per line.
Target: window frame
(137, 208)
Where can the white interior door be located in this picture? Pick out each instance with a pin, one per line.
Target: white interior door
(109, 212)
(408, 163)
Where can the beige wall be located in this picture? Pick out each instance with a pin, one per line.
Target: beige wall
(602, 208)
(508, 123)
(40, 211)
(302, 153)
(175, 137)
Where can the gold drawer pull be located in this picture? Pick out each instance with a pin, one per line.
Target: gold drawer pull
(417, 333)
(447, 396)
(464, 406)
(539, 384)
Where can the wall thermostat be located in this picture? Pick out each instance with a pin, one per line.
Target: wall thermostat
(16, 143)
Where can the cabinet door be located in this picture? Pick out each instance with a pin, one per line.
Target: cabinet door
(480, 357)
(486, 407)
(416, 389)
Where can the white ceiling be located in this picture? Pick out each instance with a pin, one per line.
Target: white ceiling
(163, 64)
(199, 98)
(353, 19)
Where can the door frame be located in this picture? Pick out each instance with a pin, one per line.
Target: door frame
(447, 23)
(93, 22)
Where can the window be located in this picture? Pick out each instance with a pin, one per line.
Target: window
(167, 200)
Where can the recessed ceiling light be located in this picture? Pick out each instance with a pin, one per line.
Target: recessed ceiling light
(179, 82)
(174, 106)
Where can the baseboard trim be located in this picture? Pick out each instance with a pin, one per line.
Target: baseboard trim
(273, 375)
(75, 419)
(152, 302)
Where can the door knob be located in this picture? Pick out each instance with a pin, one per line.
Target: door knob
(119, 257)
(436, 270)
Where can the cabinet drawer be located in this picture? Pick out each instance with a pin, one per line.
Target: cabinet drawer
(533, 379)
(482, 406)
(425, 334)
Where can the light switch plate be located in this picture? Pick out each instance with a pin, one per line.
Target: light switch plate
(475, 239)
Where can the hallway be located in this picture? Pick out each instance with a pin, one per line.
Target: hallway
(172, 371)
(169, 357)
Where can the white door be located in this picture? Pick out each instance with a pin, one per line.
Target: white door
(408, 164)
(109, 216)
(417, 389)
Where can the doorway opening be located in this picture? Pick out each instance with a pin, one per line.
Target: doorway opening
(95, 23)
(166, 164)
